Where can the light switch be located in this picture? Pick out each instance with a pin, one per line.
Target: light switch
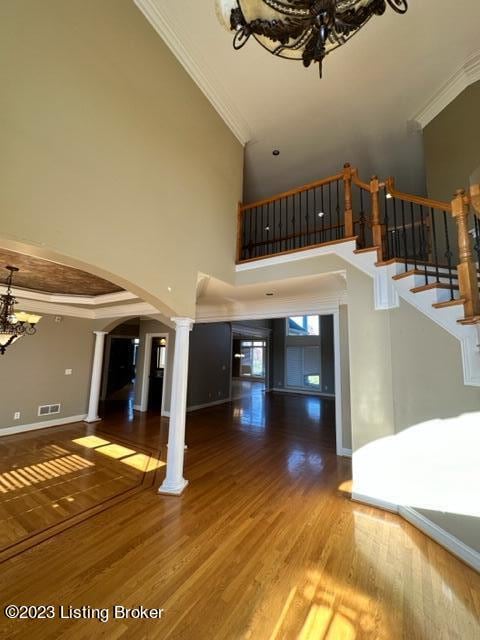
(16, 415)
(68, 372)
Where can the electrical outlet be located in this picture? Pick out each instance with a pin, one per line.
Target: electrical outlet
(68, 372)
(16, 415)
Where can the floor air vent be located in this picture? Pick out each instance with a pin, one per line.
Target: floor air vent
(48, 409)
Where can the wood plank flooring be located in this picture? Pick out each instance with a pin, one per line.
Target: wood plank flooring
(263, 545)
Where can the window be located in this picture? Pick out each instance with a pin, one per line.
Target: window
(303, 367)
(303, 326)
(252, 358)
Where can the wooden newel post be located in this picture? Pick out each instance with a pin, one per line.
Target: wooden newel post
(467, 269)
(377, 230)
(347, 181)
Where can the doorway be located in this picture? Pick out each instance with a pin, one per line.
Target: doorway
(154, 375)
(249, 365)
(158, 359)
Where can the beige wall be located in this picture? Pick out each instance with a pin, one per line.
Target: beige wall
(452, 143)
(32, 371)
(111, 155)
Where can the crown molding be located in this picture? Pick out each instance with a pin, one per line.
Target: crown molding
(62, 298)
(116, 311)
(211, 87)
(464, 76)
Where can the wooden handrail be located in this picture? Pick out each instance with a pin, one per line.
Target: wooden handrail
(356, 180)
(407, 197)
(292, 192)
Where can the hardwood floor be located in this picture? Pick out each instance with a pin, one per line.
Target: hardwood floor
(263, 545)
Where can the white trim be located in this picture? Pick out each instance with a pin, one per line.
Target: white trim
(260, 310)
(338, 382)
(212, 87)
(146, 368)
(467, 74)
(302, 392)
(21, 428)
(444, 538)
(116, 311)
(347, 453)
(137, 407)
(339, 248)
(208, 404)
(65, 298)
(375, 502)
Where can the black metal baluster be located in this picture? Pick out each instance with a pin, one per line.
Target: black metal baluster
(337, 210)
(395, 231)
(315, 216)
(322, 239)
(448, 254)
(414, 241)
(387, 227)
(423, 243)
(405, 248)
(330, 208)
(435, 247)
(306, 218)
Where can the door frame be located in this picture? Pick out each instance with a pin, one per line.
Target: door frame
(146, 371)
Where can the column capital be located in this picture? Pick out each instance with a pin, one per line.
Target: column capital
(183, 322)
(100, 333)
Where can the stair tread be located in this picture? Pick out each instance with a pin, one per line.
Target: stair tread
(434, 285)
(366, 250)
(418, 272)
(449, 303)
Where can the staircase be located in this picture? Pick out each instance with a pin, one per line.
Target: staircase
(423, 251)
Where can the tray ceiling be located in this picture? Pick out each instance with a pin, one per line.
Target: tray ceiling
(37, 274)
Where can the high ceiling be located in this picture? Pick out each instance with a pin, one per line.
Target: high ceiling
(362, 110)
(42, 275)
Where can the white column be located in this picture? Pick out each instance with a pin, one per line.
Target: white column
(174, 482)
(96, 377)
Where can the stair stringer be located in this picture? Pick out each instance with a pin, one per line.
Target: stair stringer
(387, 294)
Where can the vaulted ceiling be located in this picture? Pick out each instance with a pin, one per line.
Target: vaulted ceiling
(362, 111)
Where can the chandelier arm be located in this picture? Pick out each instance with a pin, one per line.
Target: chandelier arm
(399, 6)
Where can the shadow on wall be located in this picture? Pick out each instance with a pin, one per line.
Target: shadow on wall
(432, 466)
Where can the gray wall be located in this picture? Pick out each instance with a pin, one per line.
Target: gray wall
(32, 371)
(209, 364)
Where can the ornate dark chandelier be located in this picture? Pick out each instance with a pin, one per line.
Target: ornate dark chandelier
(305, 30)
(13, 325)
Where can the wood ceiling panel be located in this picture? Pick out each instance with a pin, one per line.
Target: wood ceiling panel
(37, 274)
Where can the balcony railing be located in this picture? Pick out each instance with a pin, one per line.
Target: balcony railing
(437, 239)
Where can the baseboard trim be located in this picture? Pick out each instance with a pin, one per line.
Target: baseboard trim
(207, 404)
(447, 540)
(374, 502)
(22, 428)
(137, 407)
(346, 453)
(299, 392)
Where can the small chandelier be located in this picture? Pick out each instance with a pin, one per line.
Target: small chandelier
(305, 30)
(13, 325)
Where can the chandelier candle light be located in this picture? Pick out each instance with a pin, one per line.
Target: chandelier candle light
(13, 325)
(305, 30)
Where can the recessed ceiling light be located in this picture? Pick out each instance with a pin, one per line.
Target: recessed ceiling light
(169, 289)
(321, 214)
(275, 152)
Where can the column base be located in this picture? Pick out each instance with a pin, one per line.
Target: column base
(90, 420)
(170, 489)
